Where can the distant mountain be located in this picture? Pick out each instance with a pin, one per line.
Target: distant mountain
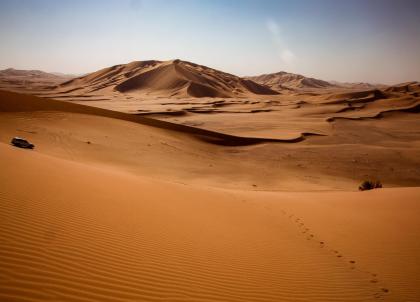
(358, 85)
(166, 78)
(27, 79)
(32, 74)
(284, 80)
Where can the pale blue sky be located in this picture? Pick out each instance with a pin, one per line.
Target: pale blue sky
(362, 40)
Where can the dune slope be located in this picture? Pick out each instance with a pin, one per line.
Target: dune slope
(285, 80)
(174, 78)
(71, 232)
(258, 156)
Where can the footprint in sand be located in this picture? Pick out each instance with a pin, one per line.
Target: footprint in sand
(338, 255)
(379, 295)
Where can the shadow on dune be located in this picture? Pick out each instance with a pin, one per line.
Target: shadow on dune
(359, 97)
(411, 109)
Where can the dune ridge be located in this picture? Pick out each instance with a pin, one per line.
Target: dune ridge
(415, 108)
(413, 87)
(284, 80)
(31, 103)
(356, 97)
(169, 78)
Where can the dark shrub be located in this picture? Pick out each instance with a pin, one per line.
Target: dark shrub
(369, 185)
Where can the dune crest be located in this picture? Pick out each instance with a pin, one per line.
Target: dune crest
(174, 78)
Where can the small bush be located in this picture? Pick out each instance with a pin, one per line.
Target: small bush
(369, 185)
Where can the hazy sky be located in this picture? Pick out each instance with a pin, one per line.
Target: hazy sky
(367, 40)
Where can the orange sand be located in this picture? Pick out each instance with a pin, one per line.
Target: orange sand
(151, 211)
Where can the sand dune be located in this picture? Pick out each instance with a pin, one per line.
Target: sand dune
(85, 233)
(363, 96)
(285, 80)
(412, 109)
(373, 104)
(405, 87)
(359, 85)
(12, 102)
(171, 78)
(21, 80)
(255, 152)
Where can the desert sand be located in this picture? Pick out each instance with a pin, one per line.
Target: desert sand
(34, 80)
(170, 181)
